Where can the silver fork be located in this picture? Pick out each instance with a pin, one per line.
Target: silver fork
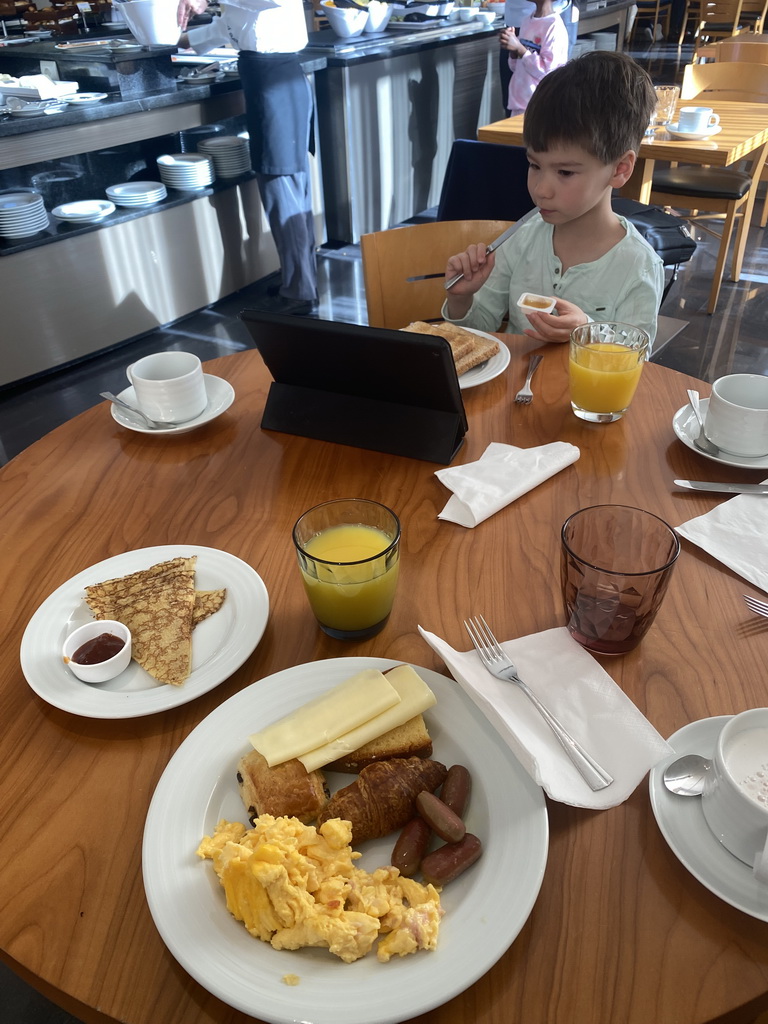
(525, 396)
(756, 606)
(499, 665)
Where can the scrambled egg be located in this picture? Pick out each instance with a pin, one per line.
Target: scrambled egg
(293, 885)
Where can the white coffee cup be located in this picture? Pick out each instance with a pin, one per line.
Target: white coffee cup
(735, 797)
(697, 120)
(737, 415)
(169, 386)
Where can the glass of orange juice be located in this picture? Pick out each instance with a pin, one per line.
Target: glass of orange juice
(606, 360)
(349, 557)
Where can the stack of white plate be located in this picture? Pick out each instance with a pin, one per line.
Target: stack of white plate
(231, 156)
(185, 170)
(84, 212)
(137, 193)
(22, 214)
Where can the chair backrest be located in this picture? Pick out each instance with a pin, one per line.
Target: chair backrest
(738, 81)
(404, 268)
(485, 181)
(718, 18)
(742, 48)
(753, 14)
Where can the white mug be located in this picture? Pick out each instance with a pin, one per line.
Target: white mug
(169, 386)
(737, 415)
(697, 119)
(735, 797)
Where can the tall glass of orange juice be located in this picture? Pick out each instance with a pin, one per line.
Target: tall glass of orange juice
(606, 360)
(349, 557)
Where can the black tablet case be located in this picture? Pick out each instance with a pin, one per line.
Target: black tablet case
(388, 391)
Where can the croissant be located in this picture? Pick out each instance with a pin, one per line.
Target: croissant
(383, 796)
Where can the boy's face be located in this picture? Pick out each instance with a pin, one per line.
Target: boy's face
(567, 182)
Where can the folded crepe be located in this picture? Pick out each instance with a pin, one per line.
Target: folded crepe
(161, 608)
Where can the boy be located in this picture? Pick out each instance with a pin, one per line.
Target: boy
(583, 128)
(540, 47)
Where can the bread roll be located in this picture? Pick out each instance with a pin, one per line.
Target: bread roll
(287, 790)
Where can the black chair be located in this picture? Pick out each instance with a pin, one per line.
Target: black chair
(489, 181)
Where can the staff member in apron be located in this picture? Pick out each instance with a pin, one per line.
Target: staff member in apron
(278, 108)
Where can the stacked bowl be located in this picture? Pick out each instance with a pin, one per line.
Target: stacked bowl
(137, 193)
(22, 214)
(230, 155)
(152, 22)
(185, 171)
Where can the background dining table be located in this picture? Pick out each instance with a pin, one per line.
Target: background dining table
(620, 931)
(744, 129)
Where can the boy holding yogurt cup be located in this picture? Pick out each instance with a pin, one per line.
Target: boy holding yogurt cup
(583, 129)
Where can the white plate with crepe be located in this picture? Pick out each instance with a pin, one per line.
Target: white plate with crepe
(486, 371)
(220, 644)
(486, 907)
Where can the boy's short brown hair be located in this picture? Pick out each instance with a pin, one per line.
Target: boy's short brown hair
(602, 102)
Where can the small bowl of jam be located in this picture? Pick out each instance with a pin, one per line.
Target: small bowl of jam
(98, 651)
(532, 303)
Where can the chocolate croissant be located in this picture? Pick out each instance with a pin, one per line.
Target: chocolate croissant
(382, 798)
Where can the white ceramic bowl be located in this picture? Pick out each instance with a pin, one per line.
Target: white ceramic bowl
(152, 22)
(467, 13)
(379, 14)
(346, 22)
(483, 14)
(104, 670)
(498, 9)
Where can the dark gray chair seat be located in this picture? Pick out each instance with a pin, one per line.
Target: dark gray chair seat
(717, 182)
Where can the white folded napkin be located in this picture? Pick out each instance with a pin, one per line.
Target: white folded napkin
(736, 534)
(501, 474)
(574, 687)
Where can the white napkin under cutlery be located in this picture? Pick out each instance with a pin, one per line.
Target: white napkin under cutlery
(501, 475)
(577, 690)
(736, 534)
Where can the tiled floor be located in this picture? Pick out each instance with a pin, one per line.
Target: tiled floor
(734, 339)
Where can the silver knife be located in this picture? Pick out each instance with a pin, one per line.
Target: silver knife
(488, 250)
(703, 485)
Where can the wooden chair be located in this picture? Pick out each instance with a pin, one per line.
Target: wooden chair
(713, 19)
(404, 268)
(722, 191)
(743, 48)
(753, 14)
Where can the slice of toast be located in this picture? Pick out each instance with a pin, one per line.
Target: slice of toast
(411, 739)
(469, 349)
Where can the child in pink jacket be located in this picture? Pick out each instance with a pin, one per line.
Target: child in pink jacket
(541, 46)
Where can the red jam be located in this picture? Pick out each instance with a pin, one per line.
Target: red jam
(98, 649)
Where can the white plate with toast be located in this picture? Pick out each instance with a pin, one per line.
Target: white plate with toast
(220, 644)
(485, 908)
(491, 368)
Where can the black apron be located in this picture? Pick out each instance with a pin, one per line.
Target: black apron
(278, 111)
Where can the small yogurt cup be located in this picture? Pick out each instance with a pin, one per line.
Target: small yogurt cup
(103, 670)
(533, 303)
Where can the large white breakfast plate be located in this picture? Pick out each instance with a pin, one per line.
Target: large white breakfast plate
(686, 426)
(685, 829)
(486, 371)
(220, 395)
(220, 643)
(485, 908)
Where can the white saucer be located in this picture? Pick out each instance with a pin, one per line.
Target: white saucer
(676, 133)
(220, 393)
(686, 426)
(682, 824)
(486, 371)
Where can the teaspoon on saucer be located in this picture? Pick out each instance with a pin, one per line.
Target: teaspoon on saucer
(686, 775)
(152, 424)
(701, 442)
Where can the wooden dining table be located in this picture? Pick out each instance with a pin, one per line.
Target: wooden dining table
(620, 930)
(744, 129)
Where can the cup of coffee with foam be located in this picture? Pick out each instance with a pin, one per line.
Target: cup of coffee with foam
(169, 386)
(735, 797)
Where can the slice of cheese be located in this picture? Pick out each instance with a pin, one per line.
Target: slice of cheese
(325, 718)
(415, 697)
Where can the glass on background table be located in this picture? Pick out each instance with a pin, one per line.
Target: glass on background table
(76, 790)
